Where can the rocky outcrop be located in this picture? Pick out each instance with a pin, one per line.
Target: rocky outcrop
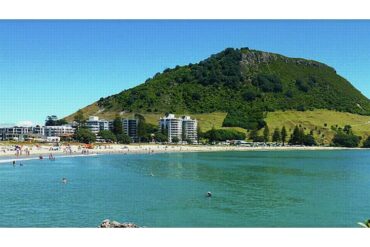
(114, 224)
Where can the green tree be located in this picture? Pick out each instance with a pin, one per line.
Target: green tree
(123, 139)
(175, 139)
(199, 132)
(79, 118)
(347, 129)
(159, 137)
(107, 135)
(84, 135)
(367, 143)
(309, 140)
(117, 126)
(51, 120)
(296, 137)
(341, 139)
(141, 128)
(266, 134)
(276, 137)
(284, 135)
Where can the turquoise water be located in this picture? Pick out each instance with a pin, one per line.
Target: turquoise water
(250, 189)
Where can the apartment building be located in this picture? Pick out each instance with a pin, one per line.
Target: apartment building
(183, 128)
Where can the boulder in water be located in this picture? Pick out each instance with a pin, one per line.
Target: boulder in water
(114, 224)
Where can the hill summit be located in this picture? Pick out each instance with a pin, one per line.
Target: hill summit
(245, 84)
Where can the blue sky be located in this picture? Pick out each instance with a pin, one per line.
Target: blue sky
(57, 67)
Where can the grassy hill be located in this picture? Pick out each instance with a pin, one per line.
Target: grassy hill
(320, 121)
(244, 89)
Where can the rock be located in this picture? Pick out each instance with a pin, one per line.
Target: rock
(114, 224)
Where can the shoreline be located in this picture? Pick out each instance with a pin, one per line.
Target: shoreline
(8, 155)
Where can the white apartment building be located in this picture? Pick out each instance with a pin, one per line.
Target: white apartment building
(189, 129)
(94, 124)
(14, 133)
(183, 128)
(58, 131)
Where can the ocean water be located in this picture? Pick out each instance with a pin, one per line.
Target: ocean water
(250, 189)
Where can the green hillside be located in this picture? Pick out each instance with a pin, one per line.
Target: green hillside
(239, 88)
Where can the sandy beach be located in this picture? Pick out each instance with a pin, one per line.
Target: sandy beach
(8, 153)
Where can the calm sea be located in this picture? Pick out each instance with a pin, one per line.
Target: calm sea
(250, 189)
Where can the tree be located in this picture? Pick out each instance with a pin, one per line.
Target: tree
(266, 134)
(309, 140)
(117, 126)
(367, 143)
(199, 133)
(141, 128)
(160, 137)
(107, 135)
(214, 135)
(276, 137)
(175, 139)
(84, 135)
(51, 120)
(283, 135)
(54, 121)
(341, 139)
(123, 139)
(79, 118)
(61, 122)
(296, 137)
(347, 129)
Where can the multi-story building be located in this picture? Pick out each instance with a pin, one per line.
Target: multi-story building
(183, 128)
(189, 129)
(21, 133)
(15, 133)
(58, 131)
(94, 124)
(130, 128)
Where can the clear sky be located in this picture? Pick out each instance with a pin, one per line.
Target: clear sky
(57, 67)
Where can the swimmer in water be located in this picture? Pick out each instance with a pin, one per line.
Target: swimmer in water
(209, 194)
(64, 180)
(13, 163)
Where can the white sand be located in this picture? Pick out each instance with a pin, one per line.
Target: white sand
(8, 154)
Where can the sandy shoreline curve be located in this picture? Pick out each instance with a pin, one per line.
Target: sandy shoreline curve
(8, 154)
